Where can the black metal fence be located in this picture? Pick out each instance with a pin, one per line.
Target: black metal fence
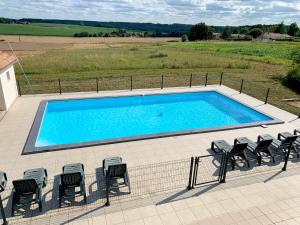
(257, 88)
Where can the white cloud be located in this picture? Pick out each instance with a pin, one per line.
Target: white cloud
(214, 12)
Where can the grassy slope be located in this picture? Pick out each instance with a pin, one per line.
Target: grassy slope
(237, 60)
(49, 29)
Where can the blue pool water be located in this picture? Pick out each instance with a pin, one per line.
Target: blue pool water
(84, 120)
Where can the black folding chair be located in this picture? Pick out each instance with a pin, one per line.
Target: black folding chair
(29, 189)
(72, 177)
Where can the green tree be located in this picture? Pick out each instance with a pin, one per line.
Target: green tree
(293, 29)
(184, 38)
(255, 32)
(226, 33)
(280, 28)
(200, 32)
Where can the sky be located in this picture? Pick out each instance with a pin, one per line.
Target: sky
(212, 12)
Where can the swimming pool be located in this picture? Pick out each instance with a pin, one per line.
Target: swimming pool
(70, 123)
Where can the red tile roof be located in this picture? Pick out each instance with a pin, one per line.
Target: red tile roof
(6, 59)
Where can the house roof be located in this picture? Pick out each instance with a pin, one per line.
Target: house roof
(6, 59)
(274, 36)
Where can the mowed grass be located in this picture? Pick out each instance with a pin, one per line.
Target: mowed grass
(147, 62)
(45, 29)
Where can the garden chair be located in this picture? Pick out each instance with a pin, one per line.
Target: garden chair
(29, 189)
(114, 169)
(71, 178)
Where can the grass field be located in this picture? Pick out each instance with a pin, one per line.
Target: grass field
(49, 29)
(261, 65)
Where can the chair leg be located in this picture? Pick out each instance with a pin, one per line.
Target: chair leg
(60, 196)
(83, 192)
(232, 163)
(127, 181)
(259, 159)
(13, 204)
(40, 206)
(13, 210)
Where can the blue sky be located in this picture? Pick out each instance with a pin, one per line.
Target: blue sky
(213, 12)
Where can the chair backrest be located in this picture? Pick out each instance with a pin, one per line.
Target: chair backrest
(263, 145)
(117, 170)
(289, 141)
(71, 179)
(25, 186)
(238, 148)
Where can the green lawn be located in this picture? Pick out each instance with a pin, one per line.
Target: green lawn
(261, 65)
(276, 53)
(45, 29)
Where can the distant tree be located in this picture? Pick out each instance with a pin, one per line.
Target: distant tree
(235, 30)
(293, 29)
(107, 35)
(94, 35)
(184, 38)
(244, 30)
(255, 32)
(226, 33)
(100, 34)
(200, 32)
(280, 28)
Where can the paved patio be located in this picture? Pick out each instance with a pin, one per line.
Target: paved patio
(254, 199)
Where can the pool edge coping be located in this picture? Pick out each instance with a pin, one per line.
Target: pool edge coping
(29, 146)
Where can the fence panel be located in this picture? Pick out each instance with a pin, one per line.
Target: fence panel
(171, 80)
(114, 83)
(80, 85)
(207, 169)
(143, 82)
(39, 87)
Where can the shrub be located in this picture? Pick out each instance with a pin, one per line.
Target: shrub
(292, 80)
(158, 55)
(184, 38)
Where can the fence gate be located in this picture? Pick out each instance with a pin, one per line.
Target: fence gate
(207, 169)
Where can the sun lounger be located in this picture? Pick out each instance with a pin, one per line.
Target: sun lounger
(256, 148)
(280, 145)
(29, 189)
(238, 149)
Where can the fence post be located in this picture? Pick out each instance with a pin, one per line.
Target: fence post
(107, 191)
(221, 78)
(162, 82)
(189, 187)
(266, 101)
(59, 86)
(224, 167)
(195, 172)
(131, 85)
(287, 157)
(19, 88)
(97, 84)
(191, 80)
(242, 84)
(206, 77)
(2, 212)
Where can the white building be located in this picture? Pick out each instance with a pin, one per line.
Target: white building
(8, 84)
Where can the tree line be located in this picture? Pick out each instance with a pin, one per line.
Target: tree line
(201, 31)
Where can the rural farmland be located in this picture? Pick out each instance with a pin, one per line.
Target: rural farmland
(259, 64)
